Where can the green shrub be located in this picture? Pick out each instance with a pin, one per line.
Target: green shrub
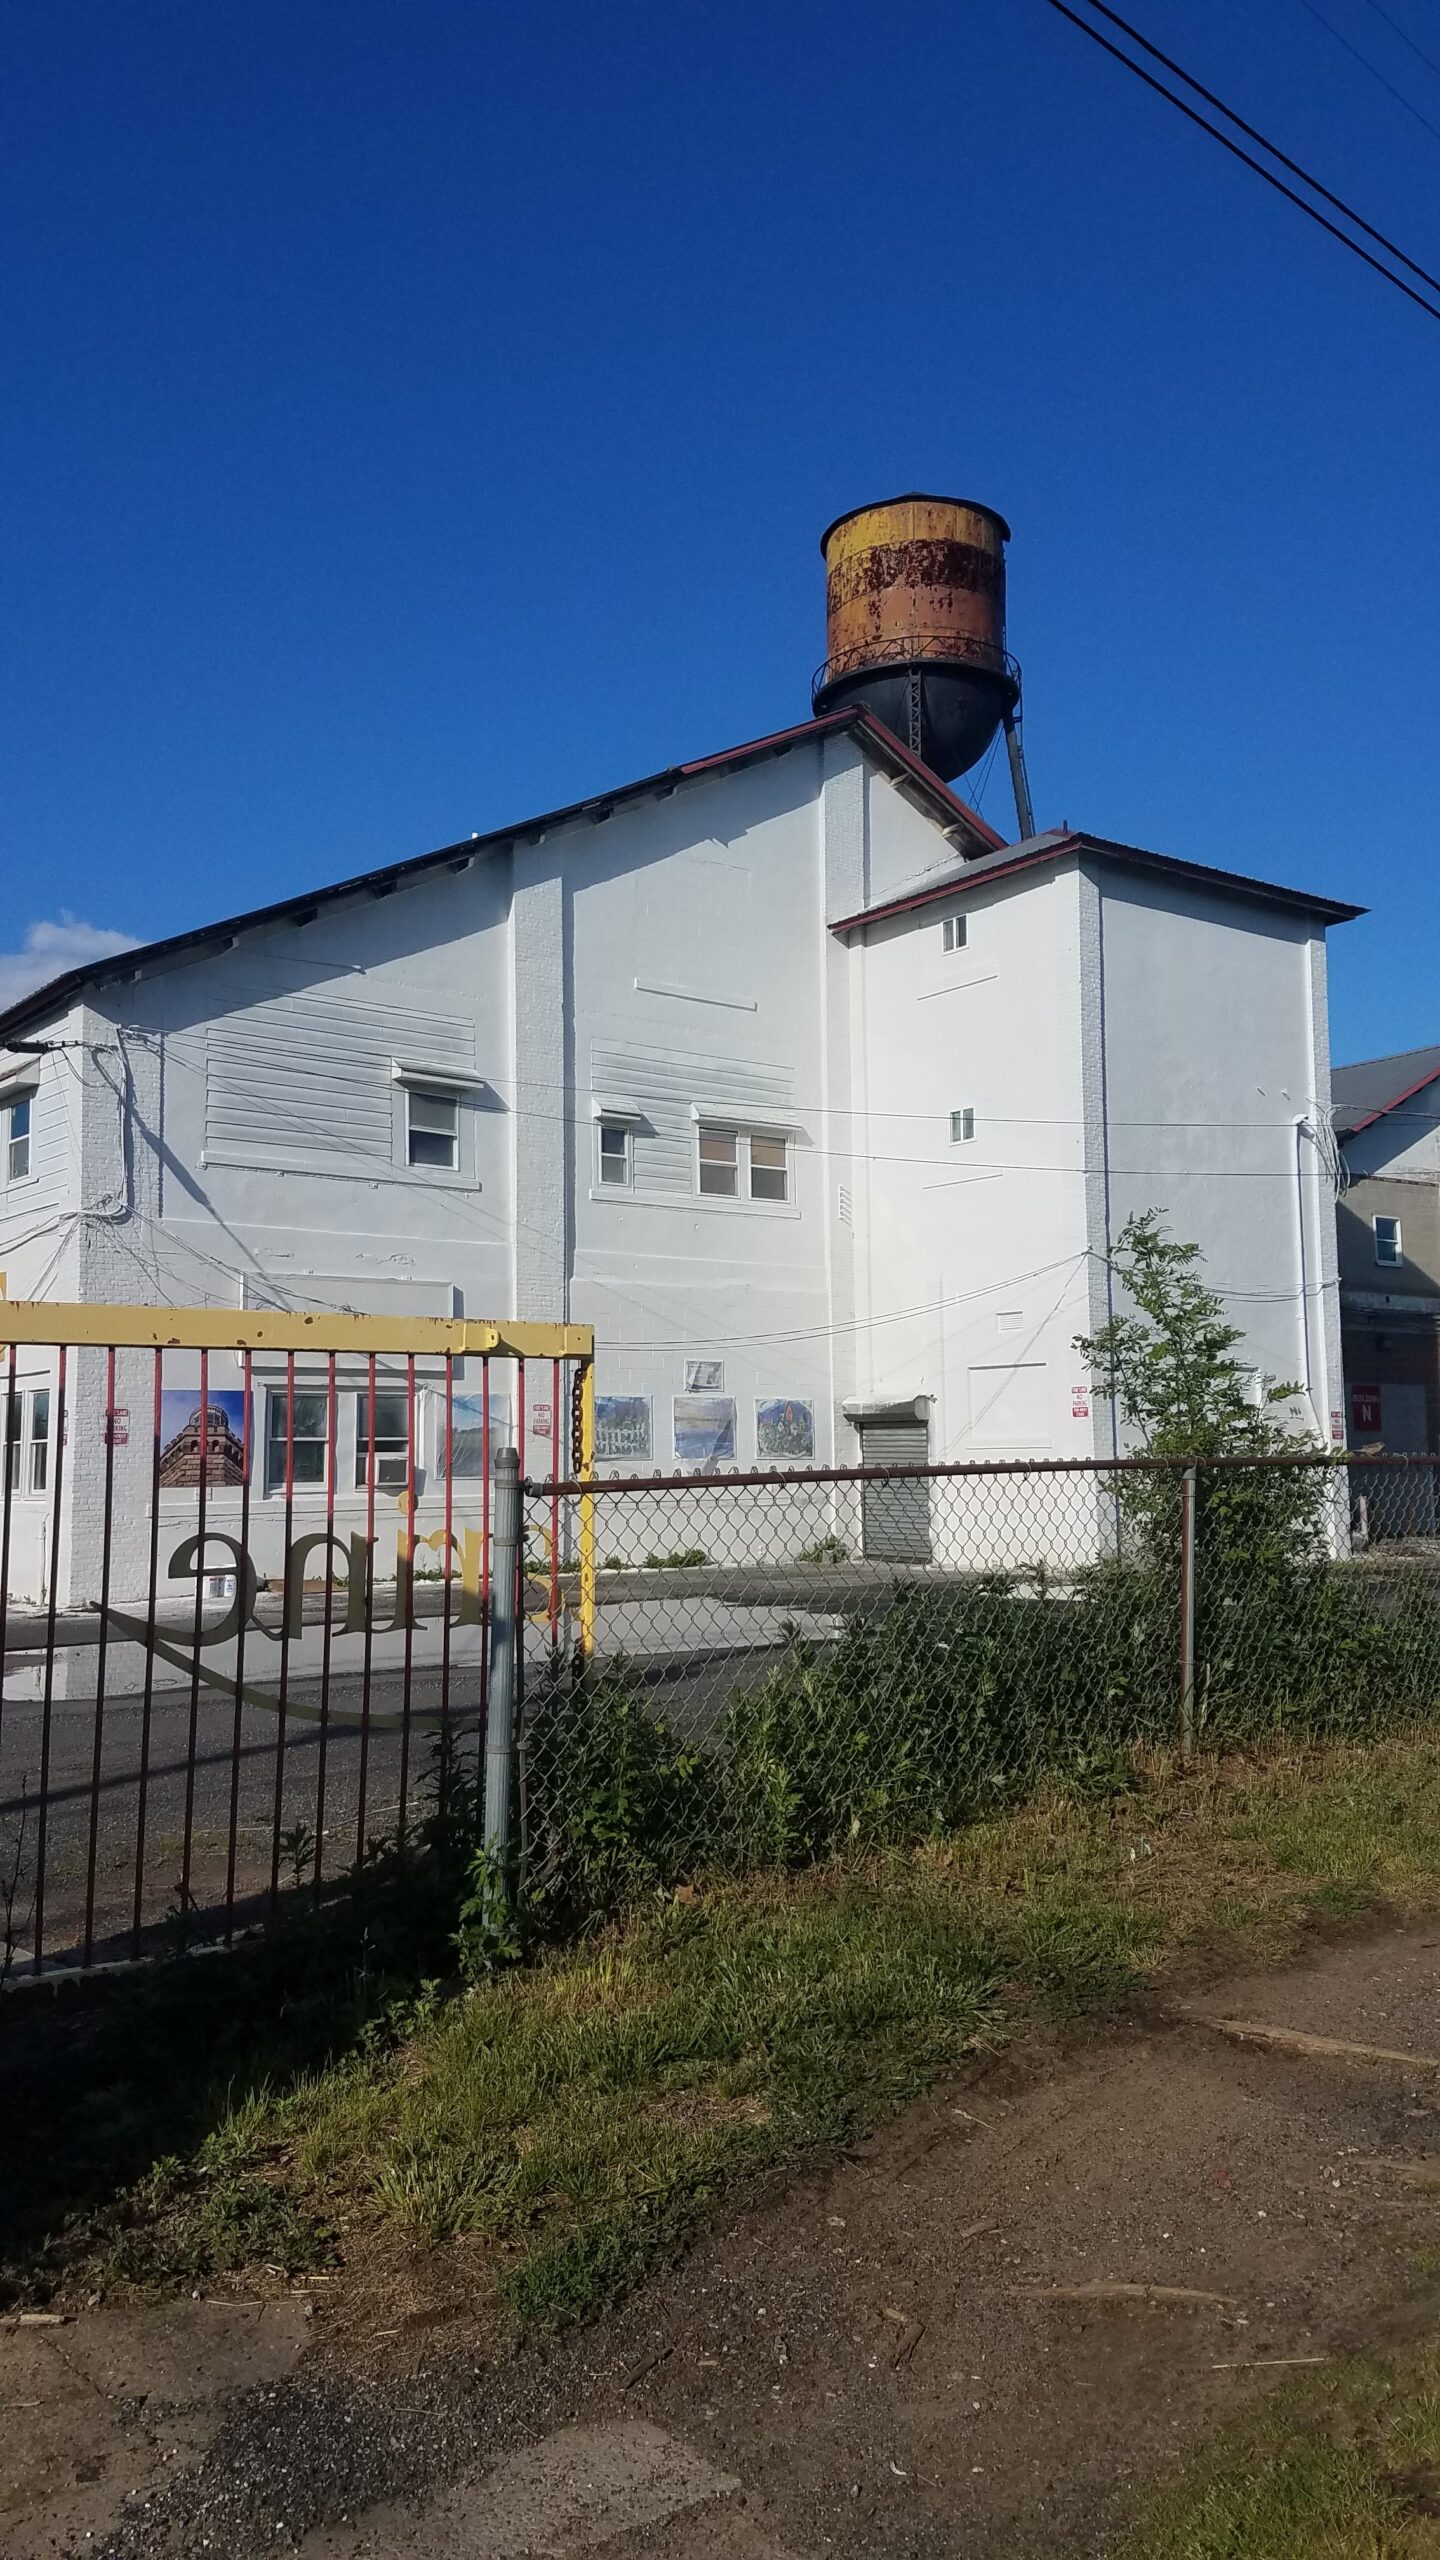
(616, 1803)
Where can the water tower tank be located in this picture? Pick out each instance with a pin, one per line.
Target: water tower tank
(915, 616)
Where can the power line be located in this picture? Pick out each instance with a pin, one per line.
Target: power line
(1431, 310)
(504, 1081)
(1264, 140)
(1427, 58)
(1367, 65)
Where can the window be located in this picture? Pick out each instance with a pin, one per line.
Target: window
(433, 1128)
(39, 1403)
(308, 1444)
(17, 1134)
(769, 1172)
(737, 1166)
(962, 1126)
(27, 1440)
(391, 1442)
(954, 933)
(1387, 1240)
(614, 1152)
(720, 1163)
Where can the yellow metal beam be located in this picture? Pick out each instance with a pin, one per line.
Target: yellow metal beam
(55, 1321)
(587, 1513)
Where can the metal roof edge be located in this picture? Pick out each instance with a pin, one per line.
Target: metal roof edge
(1384, 1109)
(1243, 883)
(1038, 851)
(885, 750)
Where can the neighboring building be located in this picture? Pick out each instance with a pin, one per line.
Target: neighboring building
(821, 1103)
(1387, 1120)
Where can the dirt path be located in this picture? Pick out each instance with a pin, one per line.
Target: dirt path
(899, 2356)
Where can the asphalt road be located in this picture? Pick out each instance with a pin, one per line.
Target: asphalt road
(126, 1791)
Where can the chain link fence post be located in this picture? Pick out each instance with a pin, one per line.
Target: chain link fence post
(503, 1639)
(1188, 1489)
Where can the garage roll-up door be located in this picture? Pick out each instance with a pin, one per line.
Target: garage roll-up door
(895, 1516)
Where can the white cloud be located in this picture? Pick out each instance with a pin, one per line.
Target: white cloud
(50, 947)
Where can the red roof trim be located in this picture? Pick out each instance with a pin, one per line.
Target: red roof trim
(883, 744)
(953, 888)
(885, 750)
(983, 871)
(1392, 1105)
(888, 745)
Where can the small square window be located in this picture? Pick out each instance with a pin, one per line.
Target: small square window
(954, 933)
(307, 1445)
(392, 1438)
(17, 1146)
(769, 1170)
(962, 1126)
(1387, 1240)
(433, 1128)
(720, 1163)
(614, 1153)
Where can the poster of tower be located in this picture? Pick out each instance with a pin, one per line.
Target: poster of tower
(181, 1422)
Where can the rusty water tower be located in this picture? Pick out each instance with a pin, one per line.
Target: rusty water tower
(915, 631)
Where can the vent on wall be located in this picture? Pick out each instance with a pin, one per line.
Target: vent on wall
(307, 1082)
(666, 1085)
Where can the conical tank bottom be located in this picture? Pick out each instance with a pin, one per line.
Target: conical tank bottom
(960, 707)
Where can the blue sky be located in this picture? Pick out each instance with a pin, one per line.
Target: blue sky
(425, 413)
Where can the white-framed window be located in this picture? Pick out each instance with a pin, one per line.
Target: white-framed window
(432, 1127)
(742, 1164)
(769, 1168)
(27, 1440)
(720, 1164)
(308, 1443)
(616, 1158)
(954, 933)
(17, 1138)
(1387, 1240)
(392, 1437)
(962, 1125)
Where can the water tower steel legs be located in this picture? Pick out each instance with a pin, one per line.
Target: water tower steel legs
(1020, 780)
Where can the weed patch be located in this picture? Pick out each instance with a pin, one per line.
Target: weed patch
(576, 2118)
(1344, 2467)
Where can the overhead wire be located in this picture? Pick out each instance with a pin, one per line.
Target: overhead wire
(1294, 166)
(1367, 65)
(1427, 58)
(503, 1081)
(1237, 151)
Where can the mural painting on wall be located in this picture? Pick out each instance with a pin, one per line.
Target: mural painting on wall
(467, 1452)
(785, 1428)
(182, 1426)
(704, 1430)
(704, 1377)
(622, 1427)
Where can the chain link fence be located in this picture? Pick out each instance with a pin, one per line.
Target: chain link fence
(791, 1665)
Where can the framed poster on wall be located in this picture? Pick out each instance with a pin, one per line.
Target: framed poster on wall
(704, 1430)
(622, 1427)
(785, 1428)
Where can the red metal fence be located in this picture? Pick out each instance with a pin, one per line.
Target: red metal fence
(245, 1570)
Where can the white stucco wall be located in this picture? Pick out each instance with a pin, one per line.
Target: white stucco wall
(40, 1230)
(1404, 1144)
(1216, 1071)
(983, 1239)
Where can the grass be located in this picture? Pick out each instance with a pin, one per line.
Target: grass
(1343, 2467)
(577, 2118)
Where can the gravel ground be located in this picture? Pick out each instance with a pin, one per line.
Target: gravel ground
(876, 2351)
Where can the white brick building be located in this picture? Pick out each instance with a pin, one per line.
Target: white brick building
(819, 1102)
